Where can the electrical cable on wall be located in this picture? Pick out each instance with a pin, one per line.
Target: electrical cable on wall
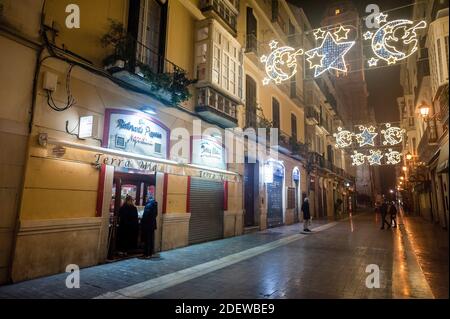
(70, 99)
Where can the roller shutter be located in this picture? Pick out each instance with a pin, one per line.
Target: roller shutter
(206, 203)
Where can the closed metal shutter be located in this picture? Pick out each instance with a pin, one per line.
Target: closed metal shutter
(206, 203)
(275, 202)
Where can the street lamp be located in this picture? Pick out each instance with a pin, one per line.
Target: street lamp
(424, 110)
(409, 156)
(402, 178)
(404, 168)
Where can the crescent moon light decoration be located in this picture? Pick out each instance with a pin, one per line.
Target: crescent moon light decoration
(394, 41)
(358, 158)
(343, 138)
(281, 64)
(393, 157)
(392, 135)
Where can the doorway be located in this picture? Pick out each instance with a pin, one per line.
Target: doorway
(251, 194)
(139, 187)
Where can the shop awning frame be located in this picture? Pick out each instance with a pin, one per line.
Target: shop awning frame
(108, 151)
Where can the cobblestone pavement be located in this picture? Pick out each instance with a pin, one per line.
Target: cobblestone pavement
(276, 263)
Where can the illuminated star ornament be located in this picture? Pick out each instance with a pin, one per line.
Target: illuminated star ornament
(331, 55)
(319, 34)
(367, 136)
(395, 40)
(281, 64)
(375, 157)
(392, 135)
(393, 157)
(341, 33)
(373, 62)
(358, 158)
(343, 138)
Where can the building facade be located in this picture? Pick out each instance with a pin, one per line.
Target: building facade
(424, 113)
(142, 99)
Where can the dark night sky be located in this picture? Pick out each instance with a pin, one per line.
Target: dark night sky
(383, 83)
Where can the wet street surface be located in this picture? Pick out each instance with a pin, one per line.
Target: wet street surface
(333, 262)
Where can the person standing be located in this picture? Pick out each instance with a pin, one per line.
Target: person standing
(384, 211)
(306, 215)
(393, 212)
(128, 226)
(148, 224)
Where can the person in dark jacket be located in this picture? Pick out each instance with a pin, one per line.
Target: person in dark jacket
(384, 211)
(128, 226)
(148, 226)
(306, 215)
(393, 213)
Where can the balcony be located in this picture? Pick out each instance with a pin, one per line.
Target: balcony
(325, 125)
(225, 11)
(428, 144)
(443, 105)
(290, 146)
(147, 72)
(323, 164)
(312, 116)
(251, 44)
(215, 107)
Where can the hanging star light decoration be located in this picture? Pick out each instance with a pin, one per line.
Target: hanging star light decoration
(319, 34)
(373, 62)
(392, 135)
(375, 157)
(393, 157)
(368, 35)
(281, 64)
(332, 55)
(358, 158)
(396, 40)
(343, 138)
(367, 136)
(341, 33)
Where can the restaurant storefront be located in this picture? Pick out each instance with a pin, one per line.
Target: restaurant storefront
(75, 182)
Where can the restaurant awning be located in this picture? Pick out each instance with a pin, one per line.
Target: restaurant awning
(126, 160)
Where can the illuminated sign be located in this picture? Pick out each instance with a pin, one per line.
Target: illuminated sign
(209, 152)
(136, 133)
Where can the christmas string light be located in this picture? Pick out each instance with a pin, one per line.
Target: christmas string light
(395, 40)
(375, 157)
(343, 138)
(392, 135)
(281, 64)
(358, 158)
(367, 136)
(330, 55)
(393, 157)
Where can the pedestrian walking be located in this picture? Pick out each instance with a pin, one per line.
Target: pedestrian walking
(384, 211)
(128, 227)
(148, 226)
(393, 213)
(306, 215)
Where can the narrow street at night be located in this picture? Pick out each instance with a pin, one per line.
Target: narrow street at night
(276, 263)
(224, 158)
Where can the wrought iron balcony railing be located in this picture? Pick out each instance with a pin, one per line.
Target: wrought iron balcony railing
(146, 70)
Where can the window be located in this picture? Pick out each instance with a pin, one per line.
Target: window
(294, 126)
(275, 113)
(147, 24)
(252, 31)
(293, 87)
(414, 145)
(440, 61)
